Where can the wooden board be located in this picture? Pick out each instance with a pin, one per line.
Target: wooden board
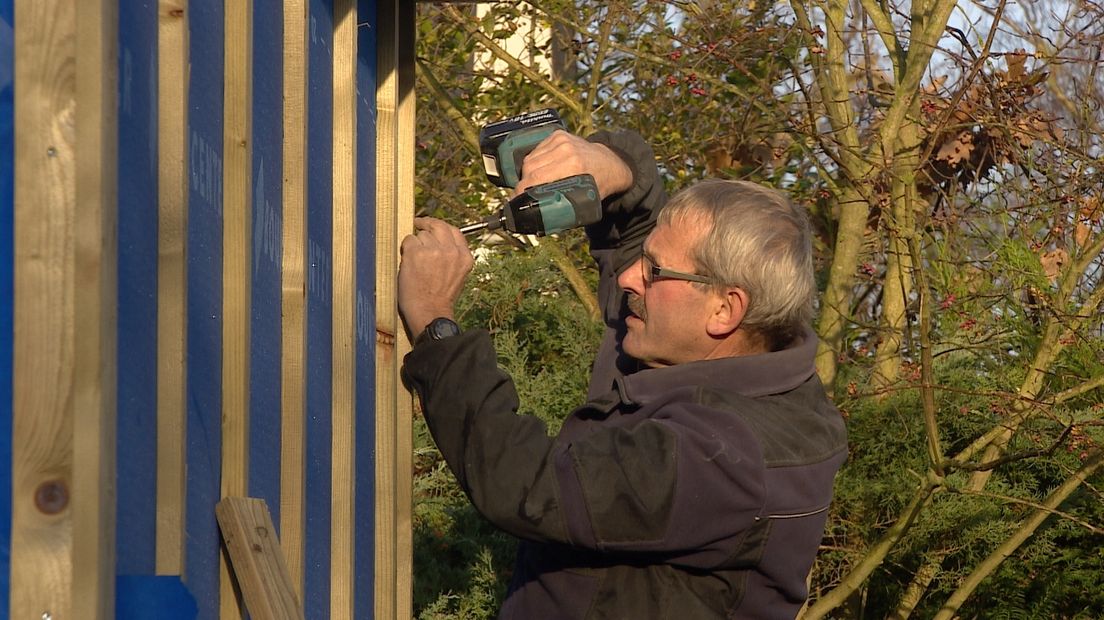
(258, 563)
(394, 211)
(172, 226)
(43, 357)
(343, 491)
(94, 297)
(237, 152)
(293, 345)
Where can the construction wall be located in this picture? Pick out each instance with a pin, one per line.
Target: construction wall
(200, 206)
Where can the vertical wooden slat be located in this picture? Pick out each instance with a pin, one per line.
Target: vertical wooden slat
(293, 379)
(404, 214)
(236, 281)
(95, 295)
(387, 325)
(172, 226)
(395, 110)
(43, 356)
(344, 308)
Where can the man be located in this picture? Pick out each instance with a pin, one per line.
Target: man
(695, 481)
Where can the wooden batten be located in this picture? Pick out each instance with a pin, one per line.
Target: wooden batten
(62, 536)
(343, 381)
(258, 562)
(172, 226)
(394, 211)
(236, 281)
(94, 313)
(293, 302)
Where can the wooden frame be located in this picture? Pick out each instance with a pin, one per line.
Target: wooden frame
(190, 115)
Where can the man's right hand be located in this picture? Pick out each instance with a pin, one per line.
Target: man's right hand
(562, 155)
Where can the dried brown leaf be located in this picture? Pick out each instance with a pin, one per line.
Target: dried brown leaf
(1015, 62)
(1081, 234)
(1052, 262)
(956, 149)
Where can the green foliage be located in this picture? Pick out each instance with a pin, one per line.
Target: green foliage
(1048, 577)
(729, 89)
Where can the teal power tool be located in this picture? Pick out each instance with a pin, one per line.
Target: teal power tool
(504, 144)
(546, 209)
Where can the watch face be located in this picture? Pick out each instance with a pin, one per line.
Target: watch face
(442, 328)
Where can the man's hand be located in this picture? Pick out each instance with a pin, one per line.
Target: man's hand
(562, 155)
(434, 266)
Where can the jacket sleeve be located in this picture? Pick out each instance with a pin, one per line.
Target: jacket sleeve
(652, 488)
(498, 457)
(615, 243)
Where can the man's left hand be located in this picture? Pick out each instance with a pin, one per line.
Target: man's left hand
(434, 266)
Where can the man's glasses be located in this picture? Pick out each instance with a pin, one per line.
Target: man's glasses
(651, 272)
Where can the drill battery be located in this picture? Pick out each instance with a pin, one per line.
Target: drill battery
(504, 144)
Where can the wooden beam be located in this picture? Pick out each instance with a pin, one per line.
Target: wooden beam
(172, 227)
(62, 544)
(343, 379)
(293, 344)
(394, 212)
(404, 414)
(237, 251)
(257, 561)
(42, 370)
(94, 217)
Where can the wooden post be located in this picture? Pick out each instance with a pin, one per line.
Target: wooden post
(63, 498)
(395, 211)
(172, 226)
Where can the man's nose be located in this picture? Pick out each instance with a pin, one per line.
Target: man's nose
(631, 279)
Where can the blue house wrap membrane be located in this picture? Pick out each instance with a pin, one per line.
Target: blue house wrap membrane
(136, 350)
(319, 423)
(204, 304)
(266, 321)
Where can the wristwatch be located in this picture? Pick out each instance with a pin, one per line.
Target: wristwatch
(439, 329)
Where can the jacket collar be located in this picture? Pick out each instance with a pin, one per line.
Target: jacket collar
(749, 375)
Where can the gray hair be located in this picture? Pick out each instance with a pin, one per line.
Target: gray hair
(755, 240)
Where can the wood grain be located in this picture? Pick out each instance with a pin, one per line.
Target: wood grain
(43, 356)
(258, 562)
(404, 403)
(293, 285)
(237, 251)
(95, 297)
(394, 219)
(172, 226)
(343, 378)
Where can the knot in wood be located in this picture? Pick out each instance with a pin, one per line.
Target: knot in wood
(51, 497)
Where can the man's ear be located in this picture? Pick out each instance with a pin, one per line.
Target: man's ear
(732, 305)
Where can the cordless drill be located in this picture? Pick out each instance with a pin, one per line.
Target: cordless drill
(546, 209)
(543, 209)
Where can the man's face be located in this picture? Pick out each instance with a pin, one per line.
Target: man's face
(667, 324)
